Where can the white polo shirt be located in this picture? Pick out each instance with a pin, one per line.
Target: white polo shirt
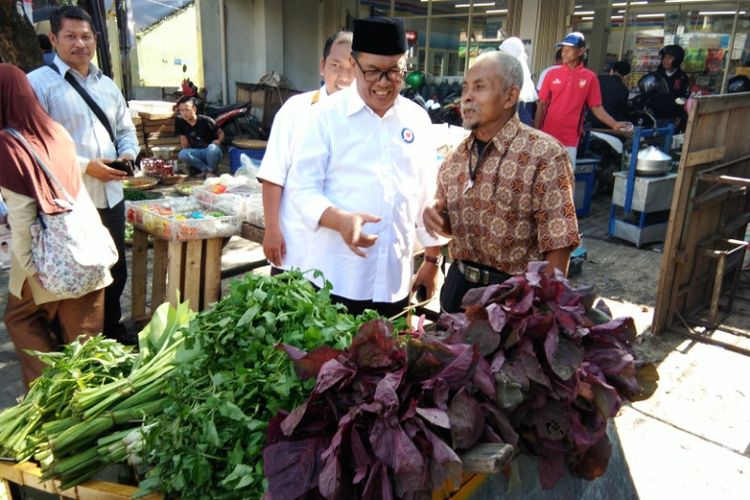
(277, 160)
(351, 158)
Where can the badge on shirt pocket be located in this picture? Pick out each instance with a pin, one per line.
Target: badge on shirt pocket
(407, 135)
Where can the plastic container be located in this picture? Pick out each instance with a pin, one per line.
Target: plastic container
(248, 206)
(170, 219)
(235, 154)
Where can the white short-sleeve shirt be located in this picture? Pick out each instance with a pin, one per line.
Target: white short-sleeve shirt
(351, 158)
(277, 160)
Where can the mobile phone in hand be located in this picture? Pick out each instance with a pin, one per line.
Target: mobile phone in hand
(421, 293)
(125, 165)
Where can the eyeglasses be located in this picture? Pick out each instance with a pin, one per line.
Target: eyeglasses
(374, 75)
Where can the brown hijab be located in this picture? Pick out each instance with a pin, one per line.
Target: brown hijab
(19, 172)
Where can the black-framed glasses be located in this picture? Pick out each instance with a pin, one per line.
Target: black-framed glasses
(395, 75)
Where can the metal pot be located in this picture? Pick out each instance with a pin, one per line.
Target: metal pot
(653, 161)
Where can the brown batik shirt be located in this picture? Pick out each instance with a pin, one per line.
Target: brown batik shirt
(520, 204)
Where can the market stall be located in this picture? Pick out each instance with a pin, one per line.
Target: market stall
(274, 389)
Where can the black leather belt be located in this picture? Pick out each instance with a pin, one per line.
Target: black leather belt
(480, 275)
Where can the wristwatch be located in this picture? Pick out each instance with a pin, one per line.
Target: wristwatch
(437, 260)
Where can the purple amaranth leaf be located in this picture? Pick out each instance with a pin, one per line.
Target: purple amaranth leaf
(579, 433)
(624, 328)
(395, 449)
(525, 367)
(482, 334)
(331, 373)
(509, 392)
(445, 465)
(523, 306)
(497, 317)
(308, 365)
(435, 416)
(499, 419)
(467, 420)
(498, 360)
(440, 392)
(603, 307)
(290, 423)
(386, 395)
(550, 461)
(606, 398)
(483, 379)
(551, 421)
(458, 371)
(481, 296)
(455, 325)
(593, 463)
(329, 482)
(535, 268)
(291, 467)
(373, 346)
(363, 459)
(379, 486)
(562, 354)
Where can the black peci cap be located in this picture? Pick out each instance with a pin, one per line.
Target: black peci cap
(384, 36)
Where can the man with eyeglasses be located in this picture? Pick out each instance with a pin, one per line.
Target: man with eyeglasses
(364, 171)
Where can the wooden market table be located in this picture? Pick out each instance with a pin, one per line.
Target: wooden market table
(479, 463)
(29, 475)
(188, 269)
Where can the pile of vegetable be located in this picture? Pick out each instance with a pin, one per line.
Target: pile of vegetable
(207, 441)
(93, 394)
(524, 365)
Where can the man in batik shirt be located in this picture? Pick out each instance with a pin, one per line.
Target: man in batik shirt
(505, 194)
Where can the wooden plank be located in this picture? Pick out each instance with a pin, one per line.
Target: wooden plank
(138, 279)
(159, 274)
(704, 156)
(252, 232)
(717, 130)
(726, 179)
(174, 271)
(105, 490)
(192, 273)
(718, 103)
(487, 458)
(212, 272)
(29, 475)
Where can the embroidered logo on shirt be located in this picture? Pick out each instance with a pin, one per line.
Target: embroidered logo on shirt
(581, 83)
(556, 81)
(407, 135)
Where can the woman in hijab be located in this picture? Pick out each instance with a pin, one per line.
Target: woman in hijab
(528, 96)
(36, 318)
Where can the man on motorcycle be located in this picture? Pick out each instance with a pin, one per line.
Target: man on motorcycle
(614, 87)
(664, 107)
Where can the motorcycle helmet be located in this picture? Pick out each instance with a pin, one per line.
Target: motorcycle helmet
(653, 84)
(738, 83)
(415, 80)
(675, 51)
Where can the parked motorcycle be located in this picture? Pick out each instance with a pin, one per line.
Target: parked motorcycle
(237, 122)
(442, 102)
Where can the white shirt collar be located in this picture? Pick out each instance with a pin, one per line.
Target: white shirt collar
(355, 103)
(93, 70)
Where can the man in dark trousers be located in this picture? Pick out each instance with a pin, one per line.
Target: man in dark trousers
(505, 194)
(200, 138)
(665, 108)
(102, 133)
